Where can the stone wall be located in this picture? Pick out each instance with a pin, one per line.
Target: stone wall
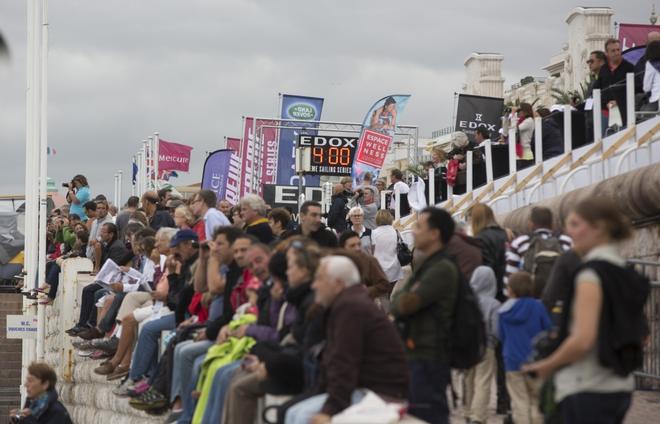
(87, 396)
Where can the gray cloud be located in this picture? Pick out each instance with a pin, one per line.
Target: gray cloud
(190, 69)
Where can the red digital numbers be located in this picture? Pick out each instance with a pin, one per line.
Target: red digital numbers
(332, 156)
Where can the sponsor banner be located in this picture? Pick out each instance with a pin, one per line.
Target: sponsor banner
(247, 158)
(22, 326)
(222, 175)
(303, 109)
(479, 111)
(378, 131)
(631, 35)
(234, 144)
(286, 196)
(330, 155)
(173, 156)
(269, 150)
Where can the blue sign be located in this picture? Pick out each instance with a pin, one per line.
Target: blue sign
(302, 109)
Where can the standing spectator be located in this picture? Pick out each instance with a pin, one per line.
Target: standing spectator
(124, 216)
(77, 195)
(384, 239)
(521, 319)
(378, 286)
(612, 80)
(237, 218)
(479, 379)
(482, 137)
(465, 251)
(552, 138)
(525, 124)
(424, 308)
(254, 212)
(493, 240)
(356, 217)
(523, 253)
(400, 201)
(651, 84)
(338, 209)
(366, 198)
(380, 184)
(157, 218)
(312, 227)
(361, 352)
(347, 184)
(603, 335)
(42, 405)
(640, 66)
(596, 61)
(203, 207)
(279, 220)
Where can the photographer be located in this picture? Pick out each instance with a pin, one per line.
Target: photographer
(41, 406)
(77, 195)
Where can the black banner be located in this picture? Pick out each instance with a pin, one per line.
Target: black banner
(330, 155)
(285, 196)
(479, 111)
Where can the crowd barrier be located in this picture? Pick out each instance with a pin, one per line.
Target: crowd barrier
(649, 376)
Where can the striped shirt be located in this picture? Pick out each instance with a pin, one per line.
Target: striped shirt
(520, 246)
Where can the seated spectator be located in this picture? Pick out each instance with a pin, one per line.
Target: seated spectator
(224, 206)
(203, 207)
(279, 220)
(362, 349)
(373, 277)
(41, 404)
(237, 218)
(254, 212)
(94, 246)
(156, 217)
(124, 216)
(312, 227)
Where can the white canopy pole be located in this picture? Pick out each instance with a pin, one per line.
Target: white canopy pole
(156, 156)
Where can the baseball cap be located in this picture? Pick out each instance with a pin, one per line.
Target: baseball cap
(183, 235)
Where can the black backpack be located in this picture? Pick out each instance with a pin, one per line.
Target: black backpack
(467, 336)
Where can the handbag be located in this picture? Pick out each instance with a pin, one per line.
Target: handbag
(452, 172)
(403, 253)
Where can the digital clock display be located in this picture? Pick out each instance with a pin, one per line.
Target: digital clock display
(330, 155)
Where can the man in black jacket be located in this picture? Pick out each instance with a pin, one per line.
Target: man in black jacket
(158, 218)
(612, 80)
(338, 209)
(312, 227)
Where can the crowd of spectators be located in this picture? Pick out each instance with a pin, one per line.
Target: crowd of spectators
(255, 304)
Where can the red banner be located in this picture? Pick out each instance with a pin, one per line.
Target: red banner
(372, 148)
(234, 144)
(247, 157)
(173, 156)
(269, 151)
(631, 35)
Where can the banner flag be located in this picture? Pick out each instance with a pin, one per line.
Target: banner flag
(300, 108)
(377, 134)
(221, 175)
(135, 172)
(479, 111)
(247, 153)
(234, 144)
(269, 151)
(173, 156)
(632, 35)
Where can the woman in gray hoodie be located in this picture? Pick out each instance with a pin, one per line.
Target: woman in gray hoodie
(478, 379)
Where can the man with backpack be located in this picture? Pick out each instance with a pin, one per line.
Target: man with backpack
(429, 310)
(537, 252)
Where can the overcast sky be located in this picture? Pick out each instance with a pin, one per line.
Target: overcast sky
(190, 69)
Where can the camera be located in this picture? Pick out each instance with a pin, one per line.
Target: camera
(66, 185)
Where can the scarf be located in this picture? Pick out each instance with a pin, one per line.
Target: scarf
(39, 405)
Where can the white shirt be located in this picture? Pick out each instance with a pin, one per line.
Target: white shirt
(384, 240)
(95, 232)
(652, 82)
(213, 218)
(403, 189)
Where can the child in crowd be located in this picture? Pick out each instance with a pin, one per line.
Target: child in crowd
(521, 319)
(478, 380)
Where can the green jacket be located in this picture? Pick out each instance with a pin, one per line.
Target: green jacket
(67, 236)
(424, 308)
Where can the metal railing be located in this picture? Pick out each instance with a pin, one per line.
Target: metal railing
(649, 376)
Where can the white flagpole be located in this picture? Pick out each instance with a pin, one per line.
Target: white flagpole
(133, 183)
(145, 171)
(43, 169)
(156, 158)
(114, 194)
(120, 175)
(138, 179)
(150, 163)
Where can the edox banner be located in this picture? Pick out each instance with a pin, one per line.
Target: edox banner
(479, 111)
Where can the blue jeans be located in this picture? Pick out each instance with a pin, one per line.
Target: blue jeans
(302, 412)
(145, 358)
(216, 402)
(189, 403)
(185, 354)
(427, 391)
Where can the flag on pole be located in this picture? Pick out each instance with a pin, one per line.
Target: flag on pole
(51, 151)
(135, 172)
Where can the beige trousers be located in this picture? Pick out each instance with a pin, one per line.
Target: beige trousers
(524, 392)
(131, 302)
(477, 384)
